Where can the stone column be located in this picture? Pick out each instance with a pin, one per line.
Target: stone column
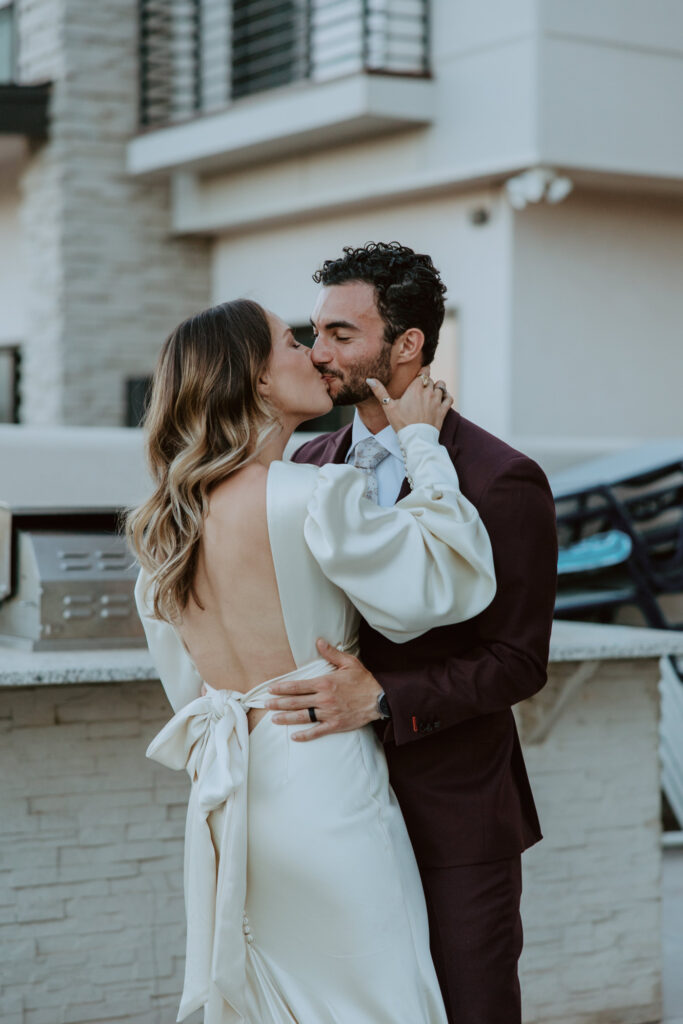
(107, 283)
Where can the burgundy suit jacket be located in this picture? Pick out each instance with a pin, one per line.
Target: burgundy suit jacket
(454, 755)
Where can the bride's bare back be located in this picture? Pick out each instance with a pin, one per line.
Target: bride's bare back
(239, 638)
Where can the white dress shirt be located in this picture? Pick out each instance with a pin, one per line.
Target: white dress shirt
(392, 470)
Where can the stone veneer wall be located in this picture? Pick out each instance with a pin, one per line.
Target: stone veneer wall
(107, 283)
(592, 901)
(91, 902)
(91, 912)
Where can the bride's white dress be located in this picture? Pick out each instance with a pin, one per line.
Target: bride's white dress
(303, 898)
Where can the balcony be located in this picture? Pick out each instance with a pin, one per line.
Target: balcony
(224, 84)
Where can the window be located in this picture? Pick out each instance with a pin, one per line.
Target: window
(446, 362)
(137, 396)
(10, 359)
(267, 45)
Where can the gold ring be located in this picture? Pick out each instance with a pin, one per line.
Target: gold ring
(425, 380)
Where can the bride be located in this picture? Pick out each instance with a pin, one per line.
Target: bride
(302, 894)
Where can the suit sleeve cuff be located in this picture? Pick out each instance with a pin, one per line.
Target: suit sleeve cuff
(408, 722)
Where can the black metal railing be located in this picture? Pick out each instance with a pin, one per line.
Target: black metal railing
(198, 56)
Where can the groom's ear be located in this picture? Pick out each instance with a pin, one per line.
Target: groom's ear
(409, 345)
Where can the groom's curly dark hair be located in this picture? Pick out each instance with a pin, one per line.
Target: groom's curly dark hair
(408, 288)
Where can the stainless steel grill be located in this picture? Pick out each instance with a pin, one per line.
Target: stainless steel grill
(67, 580)
(66, 575)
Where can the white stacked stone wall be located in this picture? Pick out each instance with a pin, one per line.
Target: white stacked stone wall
(91, 904)
(592, 901)
(91, 853)
(106, 281)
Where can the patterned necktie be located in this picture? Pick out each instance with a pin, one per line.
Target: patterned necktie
(367, 456)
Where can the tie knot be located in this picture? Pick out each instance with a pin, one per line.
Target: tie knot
(368, 454)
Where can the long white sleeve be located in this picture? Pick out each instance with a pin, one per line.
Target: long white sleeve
(179, 677)
(424, 562)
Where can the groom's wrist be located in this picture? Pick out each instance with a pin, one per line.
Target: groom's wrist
(383, 708)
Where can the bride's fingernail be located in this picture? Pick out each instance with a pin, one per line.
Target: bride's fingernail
(371, 381)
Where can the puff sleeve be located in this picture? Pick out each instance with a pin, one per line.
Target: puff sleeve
(422, 563)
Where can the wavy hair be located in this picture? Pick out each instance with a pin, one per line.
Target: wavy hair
(408, 288)
(205, 419)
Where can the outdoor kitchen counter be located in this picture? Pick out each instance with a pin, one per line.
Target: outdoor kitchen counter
(571, 641)
(92, 838)
(595, 746)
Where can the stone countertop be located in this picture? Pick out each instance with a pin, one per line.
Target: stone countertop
(52, 668)
(589, 641)
(571, 641)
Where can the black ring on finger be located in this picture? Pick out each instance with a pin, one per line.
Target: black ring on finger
(312, 715)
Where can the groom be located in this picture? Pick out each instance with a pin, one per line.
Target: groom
(441, 703)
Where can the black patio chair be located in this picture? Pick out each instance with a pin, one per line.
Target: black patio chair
(653, 518)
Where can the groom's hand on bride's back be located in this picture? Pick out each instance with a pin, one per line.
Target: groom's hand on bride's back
(343, 699)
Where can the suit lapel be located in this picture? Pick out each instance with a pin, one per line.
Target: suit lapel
(446, 438)
(342, 443)
(405, 489)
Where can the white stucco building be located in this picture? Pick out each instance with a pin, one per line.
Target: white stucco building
(263, 138)
(160, 155)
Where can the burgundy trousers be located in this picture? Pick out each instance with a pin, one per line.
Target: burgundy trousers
(476, 939)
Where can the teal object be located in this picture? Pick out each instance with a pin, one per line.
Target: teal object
(601, 551)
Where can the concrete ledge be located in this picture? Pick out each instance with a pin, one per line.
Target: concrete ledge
(588, 641)
(286, 121)
(53, 668)
(72, 467)
(571, 641)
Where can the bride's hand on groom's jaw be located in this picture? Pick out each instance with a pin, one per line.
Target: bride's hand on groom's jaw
(345, 699)
(423, 401)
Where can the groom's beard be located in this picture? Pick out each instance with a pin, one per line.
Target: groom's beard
(353, 387)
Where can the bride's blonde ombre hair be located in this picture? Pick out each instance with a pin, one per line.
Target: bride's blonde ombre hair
(205, 419)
